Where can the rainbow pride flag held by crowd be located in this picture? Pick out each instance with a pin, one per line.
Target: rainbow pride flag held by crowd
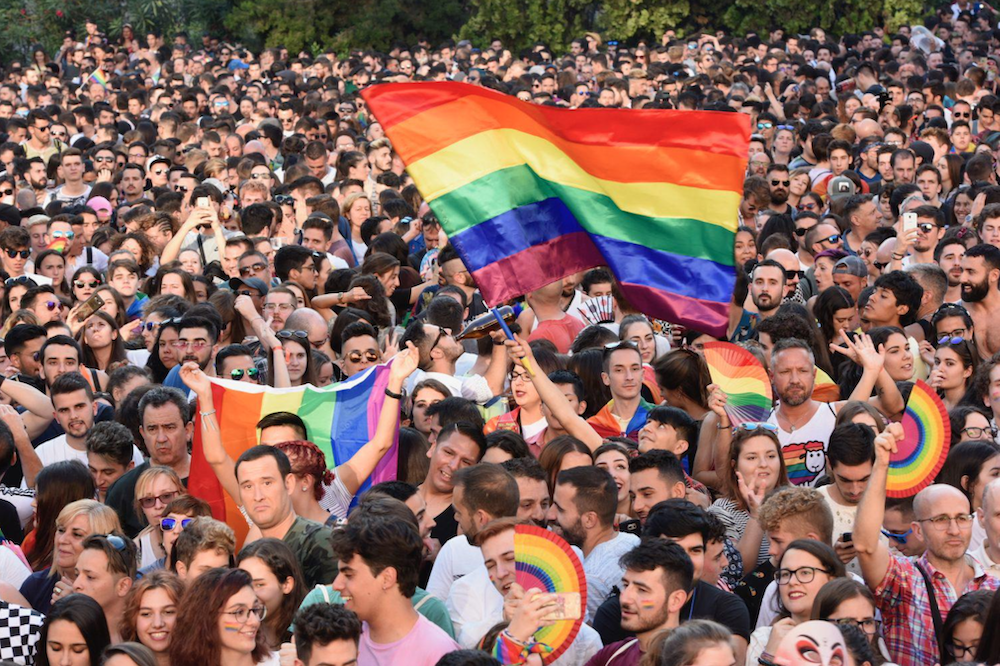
(98, 77)
(340, 419)
(529, 194)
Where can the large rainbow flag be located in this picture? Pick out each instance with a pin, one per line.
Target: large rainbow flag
(529, 194)
(340, 419)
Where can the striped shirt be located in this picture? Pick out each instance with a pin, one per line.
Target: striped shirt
(906, 609)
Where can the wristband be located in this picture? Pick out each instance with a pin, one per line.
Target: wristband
(209, 413)
(898, 257)
(397, 396)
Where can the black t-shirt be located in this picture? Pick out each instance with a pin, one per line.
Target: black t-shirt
(707, 602)
(751, 588)
(446, 527)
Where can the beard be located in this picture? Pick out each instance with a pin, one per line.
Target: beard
(764, 302)
(641, 623)
(574, 534)
(795, 395)
(779, 196)
(975, 292)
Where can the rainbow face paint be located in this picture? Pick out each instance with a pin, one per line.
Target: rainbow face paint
(645, 604)
(232, 626)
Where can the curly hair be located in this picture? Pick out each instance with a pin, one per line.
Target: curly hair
(198, 618)
(804, 505)
(307, 458)
(160, 579)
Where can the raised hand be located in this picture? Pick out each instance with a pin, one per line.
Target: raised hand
(404, 363)
(870, 358)
(196, 380)
(753, 494)
(717, 400)
(354, 295)
(886, 443)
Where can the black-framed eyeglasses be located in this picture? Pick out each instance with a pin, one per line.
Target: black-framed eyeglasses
(170, 524)
(238, 373)
(804, 575)
(368, 355)
(24, 254)
(242, 615)
(962, 652)
(975, 432)
(869, 625)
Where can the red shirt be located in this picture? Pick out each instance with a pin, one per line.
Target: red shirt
(561, 332)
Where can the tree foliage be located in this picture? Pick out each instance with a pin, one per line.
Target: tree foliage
(843, 16)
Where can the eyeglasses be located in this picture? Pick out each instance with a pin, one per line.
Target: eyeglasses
(242, 615)
(960, 651)
(880, 264)
(104, 159)
(789, 275)
(283, 307)
(802, 231)
(369, 355)
(68, 235)
(950, 340)
(869, 625)
(804, 575)
(24, 254)
(43, 128)
(260, 176)
(790, 128)
(170, 524)
(784, 183)
(197, 345)
(237, 374)
(831, 239)
(956, 114)
(751, 426)
(764, 126)
(164, 499)
(6, 192)
(977, 433)
(898, 537)
(288, 335)
(149, 325)
(80, 284)
(809, 206)
(53, 305)
(942, 522)
(250, 270)
(284, 200)
(927, 227)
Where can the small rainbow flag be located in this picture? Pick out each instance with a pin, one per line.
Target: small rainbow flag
(529, 194)
(60, 245)
(97, 76)
(340, 419)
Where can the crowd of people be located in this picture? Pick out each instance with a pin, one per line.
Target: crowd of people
(242, 216)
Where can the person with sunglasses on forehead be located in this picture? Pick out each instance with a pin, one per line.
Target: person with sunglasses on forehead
(105, 570)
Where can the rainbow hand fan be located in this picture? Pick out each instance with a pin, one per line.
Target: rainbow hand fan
(926, 439)
(545, 561)
(60, 245)
(744, 380)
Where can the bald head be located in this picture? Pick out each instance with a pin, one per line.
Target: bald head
(991, 493)
(308, 320)
(867, 128)
(884, 253)
(938, 499)
(786, 258)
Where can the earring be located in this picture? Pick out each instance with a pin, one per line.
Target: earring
(305, 488)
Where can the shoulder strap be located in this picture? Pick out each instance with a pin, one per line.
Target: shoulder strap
(621, 650)
(326, 592)
(420, 603)
(935, 611)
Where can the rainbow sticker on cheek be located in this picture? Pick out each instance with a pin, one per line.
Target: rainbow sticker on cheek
(232, 626)
(647, 604)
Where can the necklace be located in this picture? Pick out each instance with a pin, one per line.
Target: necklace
(793, 426)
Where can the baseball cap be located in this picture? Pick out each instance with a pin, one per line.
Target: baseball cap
(251, 282)
(99, 204)
(10, 215)
(841, 187)
(851, 265)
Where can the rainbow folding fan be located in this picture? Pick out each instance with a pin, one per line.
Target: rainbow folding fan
(744, 380)
(926, 439)
(545, 561)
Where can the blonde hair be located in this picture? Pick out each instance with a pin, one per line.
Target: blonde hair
(146, 479)
(349, 202)
(102, 520)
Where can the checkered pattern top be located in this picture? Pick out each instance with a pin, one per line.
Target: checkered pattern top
(19, 629)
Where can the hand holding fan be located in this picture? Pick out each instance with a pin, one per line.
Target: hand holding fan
(545, 561)
(924, 447)
(743, 379)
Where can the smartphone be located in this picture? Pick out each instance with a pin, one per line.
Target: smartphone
(567, 606)
(909, 221)
(630, 526)
(846, 537)
(90, 306)
(203, 202)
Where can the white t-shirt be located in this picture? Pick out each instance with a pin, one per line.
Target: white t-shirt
(58, 449)
(457, 558)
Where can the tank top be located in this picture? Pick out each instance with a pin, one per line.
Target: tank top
(804, 449)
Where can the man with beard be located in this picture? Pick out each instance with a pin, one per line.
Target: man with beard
(655, 585)
(74, 409)
(900, 585)
(863, 216)
(37, 177)
(778, 181)
(583, 505)
(767, 287)
(948, 255)
(980, 276)
(496, 541)
(196, 342)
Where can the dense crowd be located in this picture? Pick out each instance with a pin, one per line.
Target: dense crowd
(173, 212)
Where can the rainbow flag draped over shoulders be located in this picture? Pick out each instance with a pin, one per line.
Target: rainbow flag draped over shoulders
(340, 419)
(529, 194)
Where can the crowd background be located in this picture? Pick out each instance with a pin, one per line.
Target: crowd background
(173, 212)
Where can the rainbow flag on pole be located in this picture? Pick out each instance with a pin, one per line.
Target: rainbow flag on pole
(529, 194)
(340, 419)
(98, 77)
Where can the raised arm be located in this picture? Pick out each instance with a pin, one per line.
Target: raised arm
(268, 340)
(30, 463)
(211, 436)
(873, 553)
(361, 465)
(173, 247)
(552, 397)
(40, 411)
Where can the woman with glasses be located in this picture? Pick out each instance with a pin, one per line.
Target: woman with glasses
(969, 467)
(176, 515)
(221, 619)
(101, 342)
(847, 601)
(963, 627)
(75, 522)
(278, 584)
(755, 469)
(75, 633)
(804, 568)
(85, 282)
(970, 423)
(155, 488)
(955, 363)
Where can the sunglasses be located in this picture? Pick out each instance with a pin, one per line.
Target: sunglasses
(898, 537)
(237, 374)
(53, 305)
(165, 498)
(170, 524)
(284, 200)
(13, 282)
(751, 426)
(24, 254)
(880, 264)
(831, 239)
(949, 340)
(357, 355)
(6, 192)
(783, 183)
(764, 126)
(68, 235)
(809, 206)
(250, 270)
(926, 227)
(802, 231)
(288, 335)
(80, 284)
(794, 274)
